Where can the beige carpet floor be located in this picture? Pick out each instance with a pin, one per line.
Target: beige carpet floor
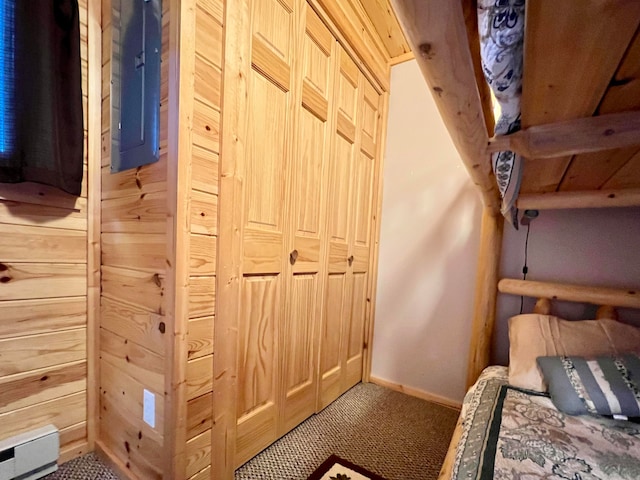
(394, 435)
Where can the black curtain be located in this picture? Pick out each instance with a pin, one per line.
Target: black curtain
(48, 139)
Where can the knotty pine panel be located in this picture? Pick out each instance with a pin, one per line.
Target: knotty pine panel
(199, 376)
(22, 354)
(199, 415)
(30, 317)
(125, 394)
(198, 453)
(200, 337)
(135, 324)
(21, 281)
(204, 170)
(143, 251)
(28, 388)
(61, 412)
(202, 296)
(19, 213)
(142, 289)
(202, 260)
(140, 364)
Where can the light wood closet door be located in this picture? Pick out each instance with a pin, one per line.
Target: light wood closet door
(360, 238)
(264, 237)
(309, 175)
(338, 289)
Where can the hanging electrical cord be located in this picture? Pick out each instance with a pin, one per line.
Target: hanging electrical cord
(526, 219)
(525, 267)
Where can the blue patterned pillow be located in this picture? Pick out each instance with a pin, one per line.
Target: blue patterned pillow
(602, 385)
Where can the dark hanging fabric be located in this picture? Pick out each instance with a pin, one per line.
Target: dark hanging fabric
(47, 142)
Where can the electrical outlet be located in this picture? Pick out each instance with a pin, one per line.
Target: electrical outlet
(149, 408)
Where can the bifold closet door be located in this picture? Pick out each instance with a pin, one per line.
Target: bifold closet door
(360, 238)
(352, 173)
(307, 215)
(339, 284)
(264, 169)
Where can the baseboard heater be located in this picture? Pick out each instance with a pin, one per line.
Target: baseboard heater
(30, 455)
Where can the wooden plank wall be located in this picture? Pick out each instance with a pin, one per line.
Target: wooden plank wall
(135, 266)
(203, 233)
(43, 303)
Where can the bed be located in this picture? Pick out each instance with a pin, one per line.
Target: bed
(575, 141)
(511, 433)
(534, 420)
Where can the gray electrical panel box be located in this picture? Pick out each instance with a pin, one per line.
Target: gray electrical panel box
(135, 83)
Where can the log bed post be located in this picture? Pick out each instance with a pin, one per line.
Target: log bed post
(438, 34)
(484, 308)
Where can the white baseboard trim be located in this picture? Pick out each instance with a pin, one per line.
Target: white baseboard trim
(415, 392)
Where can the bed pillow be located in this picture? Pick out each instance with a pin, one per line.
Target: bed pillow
(534, 335)
(601, 386)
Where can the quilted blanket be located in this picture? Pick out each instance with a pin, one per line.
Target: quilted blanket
(510, 433)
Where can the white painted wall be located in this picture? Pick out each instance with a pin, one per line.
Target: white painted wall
(428, 247)
(589, 247)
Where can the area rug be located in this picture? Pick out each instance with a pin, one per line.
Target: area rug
(336, 468)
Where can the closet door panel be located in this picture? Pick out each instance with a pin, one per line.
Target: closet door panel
(264, 170)
(355, 334)
(362, 204)
(339, 204)
(309, 168)
(265, 162)
(338, 309)
(300, 377)
(257, 365)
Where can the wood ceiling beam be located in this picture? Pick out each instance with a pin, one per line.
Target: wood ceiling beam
(589, 199)
(592, 134)
(616, 297)
(437, 33)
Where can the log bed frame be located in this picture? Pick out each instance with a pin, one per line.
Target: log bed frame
(607, 299)
(580, 120)
(580, 136)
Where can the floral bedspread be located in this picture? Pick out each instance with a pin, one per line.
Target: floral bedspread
(510, 433)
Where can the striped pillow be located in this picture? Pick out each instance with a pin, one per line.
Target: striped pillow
(602, 385)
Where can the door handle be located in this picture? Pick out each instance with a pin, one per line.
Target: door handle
(293, 256)
(350, 260)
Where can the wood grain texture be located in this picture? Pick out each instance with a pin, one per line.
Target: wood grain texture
(551, 93)
(199, 411)
(21, 354)
(486, 293)
(352, 21)
(141, 364)
(203, 249)
(383, 18)
(438, 34)
(199, 376)
(133, 323)
(616, 297)
(145, 251)
(189, 121)
(21, 281)
(583, 135)
(31, 387)
(237, 20)
(31, 317)
(200, 337)
(198, 453)
(94, 195)
(628, 176)
(587, 199)
(61, 412)
(145, 290)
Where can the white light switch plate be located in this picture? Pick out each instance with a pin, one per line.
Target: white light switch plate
(149, 408)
